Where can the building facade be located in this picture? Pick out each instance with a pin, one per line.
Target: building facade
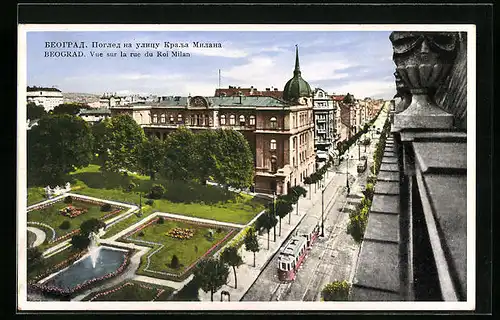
(49, 98)
(325, 129)
(280, 132)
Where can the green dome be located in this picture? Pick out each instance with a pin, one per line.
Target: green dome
(296, 87)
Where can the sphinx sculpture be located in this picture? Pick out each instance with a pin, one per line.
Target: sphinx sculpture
(423, 61)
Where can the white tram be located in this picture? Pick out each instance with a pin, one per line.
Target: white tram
(294, 252)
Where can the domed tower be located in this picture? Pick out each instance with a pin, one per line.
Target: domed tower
(297, 90)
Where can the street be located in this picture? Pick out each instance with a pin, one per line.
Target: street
(332, 257)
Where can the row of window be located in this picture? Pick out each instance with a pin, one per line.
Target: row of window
(204, 120)
(232, 120)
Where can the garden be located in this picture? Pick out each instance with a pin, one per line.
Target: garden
(61, 219)
(131, 290)
(176, 246)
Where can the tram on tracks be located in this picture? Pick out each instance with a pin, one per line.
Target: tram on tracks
(295, 251)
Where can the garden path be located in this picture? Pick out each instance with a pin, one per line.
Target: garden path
(40, 236)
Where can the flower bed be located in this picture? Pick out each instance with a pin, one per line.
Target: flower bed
(68, 292)
(71, 211)
(157, 246)
(127, 284)
(180, 233)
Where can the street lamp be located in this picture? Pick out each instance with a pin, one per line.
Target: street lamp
(359, 149)
(323, 209)
(347, 174)
(274, 212)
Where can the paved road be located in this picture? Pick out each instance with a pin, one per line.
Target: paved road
(333, 256)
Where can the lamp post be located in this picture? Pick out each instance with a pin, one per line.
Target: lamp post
(347, 174)
(323, 209)
(274, 212)
(359, 149)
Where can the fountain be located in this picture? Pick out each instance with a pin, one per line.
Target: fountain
(94, 248)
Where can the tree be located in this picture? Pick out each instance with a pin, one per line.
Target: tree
(34, 257)
(91, 225)
(266, 221)
(283, 207)
(252, 243)
(57, 146)
(80, 242)
(233, 159)
(231, 256)
(151, 156)
(175, 262)
(34, 111)
(71, 108)
(336, 291)
(211, 274)
(181, 155)
(117, 139)
(308, 181)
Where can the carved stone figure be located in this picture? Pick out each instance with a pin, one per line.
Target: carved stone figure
(423, 60)
(402, 92)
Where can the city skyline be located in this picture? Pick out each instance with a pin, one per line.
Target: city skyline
(335, 61)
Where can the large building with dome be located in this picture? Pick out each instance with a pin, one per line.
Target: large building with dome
(279, 131)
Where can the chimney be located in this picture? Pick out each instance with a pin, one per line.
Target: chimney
(268, 89)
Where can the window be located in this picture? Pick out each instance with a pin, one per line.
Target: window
(155, 118)
(242, 120)
(273, 144)
(162, 118)
(283, 266)
(232, 119)
(171, 118)
(252, 120)
(222, 119)
(273, 122)
(179, 118)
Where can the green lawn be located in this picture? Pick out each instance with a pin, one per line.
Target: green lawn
(187, 250)
(133, 291)
(183, 198)
(51, 216)
(35, 194)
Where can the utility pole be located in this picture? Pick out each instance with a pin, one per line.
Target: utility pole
(347, 175)
(274, 212)
(323, 210)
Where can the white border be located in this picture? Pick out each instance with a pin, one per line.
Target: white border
(25, 305)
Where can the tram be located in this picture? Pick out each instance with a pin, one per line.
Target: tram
(294, 252)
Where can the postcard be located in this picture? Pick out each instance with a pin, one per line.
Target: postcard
(246, 167)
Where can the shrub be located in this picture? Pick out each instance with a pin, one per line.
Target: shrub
(175, 262)
(369, 191)
(106, 207)
(65, 225)
(34, 257)
(141, 234)
(161, 220)
(149, 202)
(157, 191)
(219, 230)
(80, 242)
(131, 186)
(68, 199)
(336, 291)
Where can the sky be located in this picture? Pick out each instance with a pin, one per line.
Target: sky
(358, 62)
